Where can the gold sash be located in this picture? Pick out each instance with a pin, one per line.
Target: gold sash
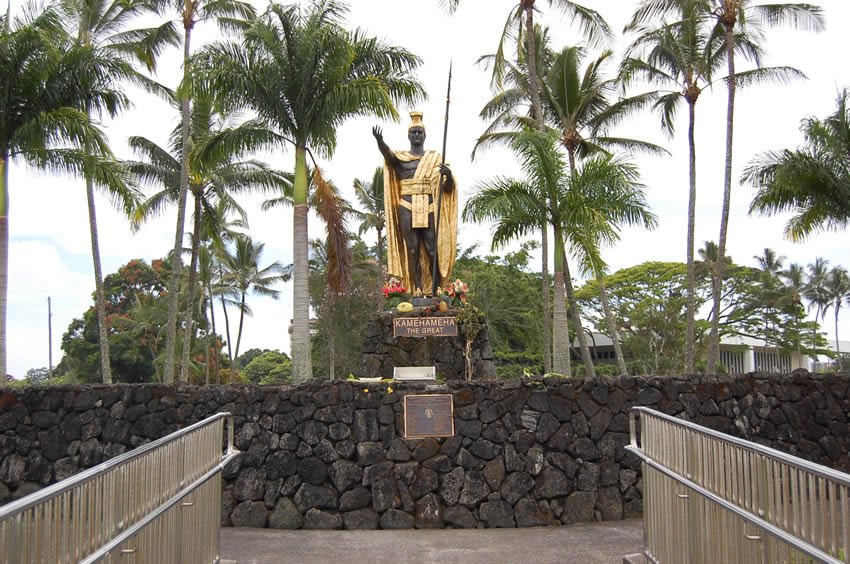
(419, 191)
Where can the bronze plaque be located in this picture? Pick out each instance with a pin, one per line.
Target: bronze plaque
(424, 327)
(428, 415)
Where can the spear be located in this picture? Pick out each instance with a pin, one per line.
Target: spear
(435, 268)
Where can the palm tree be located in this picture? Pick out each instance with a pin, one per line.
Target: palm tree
(812, 182)
(576, 103)
(230, 14)
(371, 198)
(814, 290)
(47, 81)
(243, 273)
(584, 210)
(102, 25)
(216, 173)
(837, 286)
(305, 75)
(770, 265)
(749, 16)
(681, 58)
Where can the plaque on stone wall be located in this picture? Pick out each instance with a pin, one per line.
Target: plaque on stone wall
(428, 415)
(424, 327)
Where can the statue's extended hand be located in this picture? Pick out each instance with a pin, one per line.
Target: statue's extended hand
(379, 135)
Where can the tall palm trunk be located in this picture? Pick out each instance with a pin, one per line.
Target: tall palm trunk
(560, 328)
(589, 370)
(100, 302)
(537, 115)
(227, 331)
(302, 365)
(176, 259)
(692, 198)
(193, 294)
(531, 42)
(612, 327)
(331, 339)
(837, 347)
(547, 310)
(241, 319)
(4, 254)
(714, 338)
(381, 273)
(214, 340)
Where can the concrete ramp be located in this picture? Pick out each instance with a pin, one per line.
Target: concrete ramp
(598, 543)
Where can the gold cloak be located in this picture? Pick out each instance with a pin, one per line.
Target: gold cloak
(429, 167)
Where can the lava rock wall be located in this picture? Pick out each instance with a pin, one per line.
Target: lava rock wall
(527, 452)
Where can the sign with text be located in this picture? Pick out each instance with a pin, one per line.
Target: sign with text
(428, 415)
(424, 327)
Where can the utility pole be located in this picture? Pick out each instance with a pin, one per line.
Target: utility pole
(49, 339)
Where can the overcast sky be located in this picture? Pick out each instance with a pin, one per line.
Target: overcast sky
(50, 250)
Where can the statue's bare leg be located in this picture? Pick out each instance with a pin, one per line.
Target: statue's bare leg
(411, 239)
(429, 239)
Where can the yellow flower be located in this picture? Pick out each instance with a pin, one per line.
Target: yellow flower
(389, 389)
(365, 390)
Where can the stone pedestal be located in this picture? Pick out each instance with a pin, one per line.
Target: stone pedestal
(382, 351)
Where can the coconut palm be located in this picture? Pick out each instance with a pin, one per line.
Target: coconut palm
(229, 14)
(577, 103)
(103, 25)
(371, 198)
(216, 173)
(682, 59)
(305, 75)
(770, 265)
(812, 182)
(242, 271)
(814, 290)
(837, 286)
(47, 81)
(584, 210)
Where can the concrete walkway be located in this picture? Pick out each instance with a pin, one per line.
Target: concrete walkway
(596, 543)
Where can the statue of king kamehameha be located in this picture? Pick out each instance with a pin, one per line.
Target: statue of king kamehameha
(413, 181)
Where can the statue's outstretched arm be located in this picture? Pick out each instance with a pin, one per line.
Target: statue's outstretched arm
(389, 156)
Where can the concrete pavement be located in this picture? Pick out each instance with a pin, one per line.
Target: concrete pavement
(597, 543)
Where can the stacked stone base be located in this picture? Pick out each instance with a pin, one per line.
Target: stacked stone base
(382, 351)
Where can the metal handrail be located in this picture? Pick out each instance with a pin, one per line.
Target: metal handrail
(732, 485)
(777, 455)
(131, 504)
(69, 483)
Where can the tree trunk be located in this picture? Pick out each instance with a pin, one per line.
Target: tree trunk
(547, 309)
(531, 45)
(714, 338)
(612, 327)
(381, 274)
(176, 259)
(4, 256)
(100, 302)
(241, 319)
(331, 340)
(226, 323)
(692, 198)
(193, 282)
(211, 301)
(837, 347)
(589, 370)
(537, 115)
(561, 363)
(302, 366)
